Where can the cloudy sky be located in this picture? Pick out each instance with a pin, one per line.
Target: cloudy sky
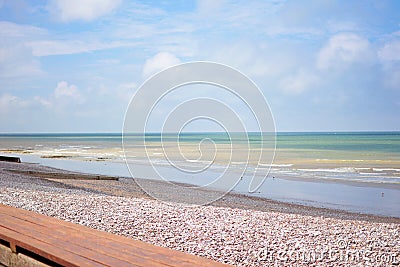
(73, 65)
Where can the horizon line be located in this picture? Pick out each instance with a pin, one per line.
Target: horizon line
(199, 132)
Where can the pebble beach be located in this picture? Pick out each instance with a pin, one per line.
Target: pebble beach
(231, 231)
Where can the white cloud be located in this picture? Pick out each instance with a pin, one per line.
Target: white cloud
(336, 26)
(393, 79)
(68, 47)
(257, 60)
(6, 101)
(345, 49)
(40, 43)
(65, 91)
(42, 101)
(124, 92)
(12, 109)
(209, 6)
(16, 60)
(244, 56)
(86, 10)
(389, 56)
(159, 62)
(303, 80)
(63, 97)
(9, 102)
(390, 51)
(13, 30)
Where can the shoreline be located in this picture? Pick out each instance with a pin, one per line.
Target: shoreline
(230, 200)
(379, 199)
(353, 182)
(127, 187)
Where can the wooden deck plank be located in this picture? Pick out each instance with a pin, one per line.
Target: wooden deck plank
(78, 248)
(94, 243)
(130, 248)
(181, 257)
(44, 249)
(78, 243)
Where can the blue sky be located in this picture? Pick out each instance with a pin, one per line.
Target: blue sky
(72, 66)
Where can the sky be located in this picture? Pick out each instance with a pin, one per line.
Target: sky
(73, 65)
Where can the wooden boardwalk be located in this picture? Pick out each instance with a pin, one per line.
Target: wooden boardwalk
(31, 239)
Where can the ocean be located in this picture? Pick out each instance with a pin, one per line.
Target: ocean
(354, 171)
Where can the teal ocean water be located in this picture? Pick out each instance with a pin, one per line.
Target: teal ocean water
(361, 156)
(347, 170)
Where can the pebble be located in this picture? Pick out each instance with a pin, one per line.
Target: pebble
(235, 236)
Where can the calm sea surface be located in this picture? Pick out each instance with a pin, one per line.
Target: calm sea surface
(337, 170)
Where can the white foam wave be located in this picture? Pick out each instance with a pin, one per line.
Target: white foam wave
(385, 169)
(238, 162)
(193, 160)
(275, 165)
(333, 170)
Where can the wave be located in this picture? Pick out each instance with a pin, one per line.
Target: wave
(385, 169)
(332, 170)
(275, 165)
(193, 160)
